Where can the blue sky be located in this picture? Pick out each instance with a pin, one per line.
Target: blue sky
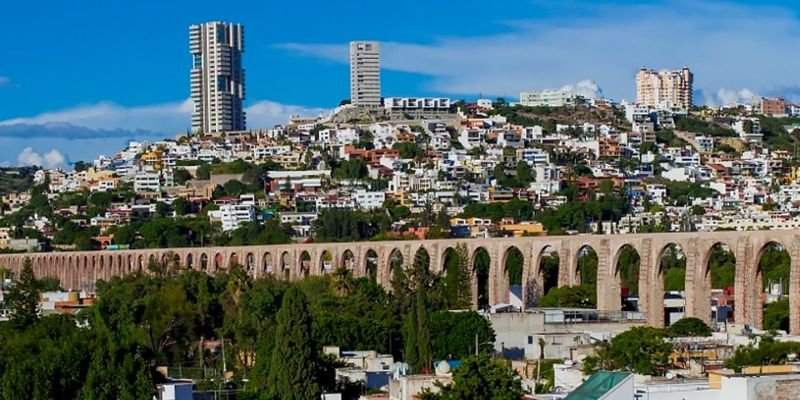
(83, 77)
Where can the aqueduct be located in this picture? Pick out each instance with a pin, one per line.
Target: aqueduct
(79, 270)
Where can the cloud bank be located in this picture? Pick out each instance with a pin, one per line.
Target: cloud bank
(727, 45)
(87, 131)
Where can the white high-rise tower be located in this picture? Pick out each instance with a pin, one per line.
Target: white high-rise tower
(365, 74)
(217, 77)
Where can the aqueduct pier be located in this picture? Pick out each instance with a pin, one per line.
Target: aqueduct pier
(79, 270)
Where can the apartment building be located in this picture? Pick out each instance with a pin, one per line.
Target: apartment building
(147, 182)
(365, 74)
(217, 77)
(665, 88)
(772, 107)
(548, 98)
(233, 215)
(412, 104)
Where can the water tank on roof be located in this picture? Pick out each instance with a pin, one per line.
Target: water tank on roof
(442, 368)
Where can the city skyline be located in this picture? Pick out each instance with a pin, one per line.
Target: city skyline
(91, 106)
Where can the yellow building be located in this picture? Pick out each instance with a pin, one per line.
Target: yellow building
(522, 228)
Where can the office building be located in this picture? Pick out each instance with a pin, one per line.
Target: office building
(217, 77)
(365, 74)
(665, 89)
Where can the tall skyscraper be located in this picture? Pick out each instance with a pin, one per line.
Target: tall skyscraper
(653, 88)
(217, 77)
(365, 74)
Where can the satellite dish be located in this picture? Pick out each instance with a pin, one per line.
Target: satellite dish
(670, 375)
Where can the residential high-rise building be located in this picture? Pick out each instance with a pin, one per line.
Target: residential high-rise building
(665, 88)
(217, 77)
(365, 74)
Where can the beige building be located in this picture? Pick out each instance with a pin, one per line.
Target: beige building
(217, 77)
(365, 74)
(665, 88)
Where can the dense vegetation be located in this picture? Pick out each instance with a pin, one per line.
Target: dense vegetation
(273, 332)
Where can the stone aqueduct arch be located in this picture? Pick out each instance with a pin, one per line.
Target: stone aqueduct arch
(79, 270)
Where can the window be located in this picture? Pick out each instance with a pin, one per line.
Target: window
(530, 339)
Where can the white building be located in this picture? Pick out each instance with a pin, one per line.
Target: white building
(441, 104)
(233, 215)
(217, 77)
(365, 74)
(548, 98)
(369, 200)
(147, 182)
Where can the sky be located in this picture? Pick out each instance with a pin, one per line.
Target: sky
(81, 78)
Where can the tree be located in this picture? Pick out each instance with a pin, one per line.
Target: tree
(642, 350)
(181, 206)
(581, 296)
(80, 166)
(234, 187)
(181, 176)
(480, 377)
(417, 335)
(698, 210)
(453, 334)
(689, 326)
(525, 175)
(776, 315)
(203, 172)
(768, 352)
(292, 372)
(408, 149)
(23, 298)
(162, 209)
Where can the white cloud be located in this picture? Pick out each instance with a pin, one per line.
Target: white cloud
(84, 132)
(269, 113)
(107, 119)
(52, 158)
(586, 88)
(167, 117)
(726, 97)
(4, 81)
(726, 45)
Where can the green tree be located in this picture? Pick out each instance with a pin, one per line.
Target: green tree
(480, 377)
(689, 326)
(417, 335)
(458, 278)
(453, 334)
(581, 296)
(181, 206)
(234, 187)
(768, 352)
(23, 298)
(292, 372)
(525, 175)
(203, 172)
(776, 315)
(642, 350)
(408, 149)
(181, 176)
